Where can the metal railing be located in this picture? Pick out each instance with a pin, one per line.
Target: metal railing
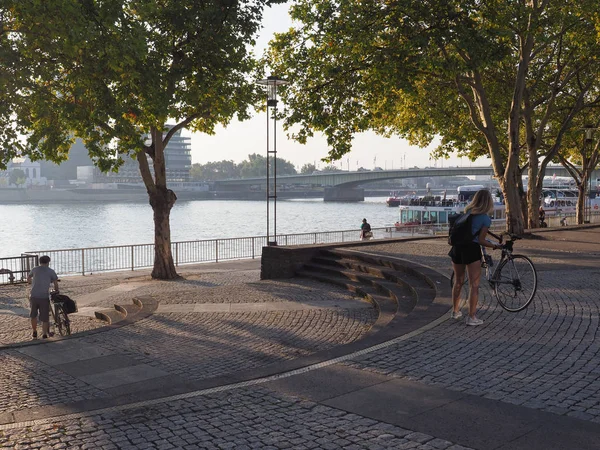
(130, 257)
(137, 256)
(15, 269)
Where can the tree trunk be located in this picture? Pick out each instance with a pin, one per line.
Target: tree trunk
(512, 199)
(534, 189)
(162, 200)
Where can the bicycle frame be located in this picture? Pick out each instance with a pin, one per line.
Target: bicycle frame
(506, 279)
(492, 276)
(60, 321)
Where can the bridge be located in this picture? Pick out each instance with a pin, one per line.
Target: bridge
(343, 186)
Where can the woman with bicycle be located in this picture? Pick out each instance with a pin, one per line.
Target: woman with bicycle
(467, 257)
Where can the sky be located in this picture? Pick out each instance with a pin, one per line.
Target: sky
(240, 139)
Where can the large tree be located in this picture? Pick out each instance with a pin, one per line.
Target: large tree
(485, 76)
(115, 72)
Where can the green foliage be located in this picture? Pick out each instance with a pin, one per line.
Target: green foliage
(373, 66)
(214, 171)
(423, 69)
(255, 166)
(17, 177)
(308, 169)
(331, 168)
(108, 72)
(504, 79)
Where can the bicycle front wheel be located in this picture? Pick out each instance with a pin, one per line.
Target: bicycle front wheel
(62, 322)
(515, 283)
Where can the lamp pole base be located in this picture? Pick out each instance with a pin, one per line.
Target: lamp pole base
(272, 243)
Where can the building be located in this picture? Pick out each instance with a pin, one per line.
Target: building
(178, 158)
(178, 161)
(31, 169)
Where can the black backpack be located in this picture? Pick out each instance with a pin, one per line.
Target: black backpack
(69, 305)
(460, 232)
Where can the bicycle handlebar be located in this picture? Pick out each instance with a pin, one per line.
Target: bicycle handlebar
(508, 244)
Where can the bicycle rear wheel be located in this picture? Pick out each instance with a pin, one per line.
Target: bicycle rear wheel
(515, 283)
(62, 321)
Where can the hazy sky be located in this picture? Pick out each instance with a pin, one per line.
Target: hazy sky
(240, 139)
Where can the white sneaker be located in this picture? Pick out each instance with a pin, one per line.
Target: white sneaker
(473, 321)
(456, 315)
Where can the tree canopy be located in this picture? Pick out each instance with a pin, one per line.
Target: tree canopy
(497, 78)
(114, 71)
(253, 167)
(17, 177)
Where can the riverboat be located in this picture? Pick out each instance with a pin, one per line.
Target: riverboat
(393, 200)
(434, 211)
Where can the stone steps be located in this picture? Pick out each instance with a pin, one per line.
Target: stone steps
(397, 288)
(119, 312)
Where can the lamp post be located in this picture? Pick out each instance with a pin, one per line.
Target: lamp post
(271, 83)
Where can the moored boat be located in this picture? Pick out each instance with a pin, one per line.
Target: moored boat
(434, 211)
(393, 201)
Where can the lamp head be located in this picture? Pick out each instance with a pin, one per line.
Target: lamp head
(589, 132)
(271, 83)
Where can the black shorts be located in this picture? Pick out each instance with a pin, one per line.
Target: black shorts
(465, 254)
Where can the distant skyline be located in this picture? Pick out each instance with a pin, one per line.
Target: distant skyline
(240, 139)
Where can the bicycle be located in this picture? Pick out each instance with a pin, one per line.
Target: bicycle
(59, 315)
(514, 281)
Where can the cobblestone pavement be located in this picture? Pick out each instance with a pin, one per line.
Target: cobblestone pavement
(18, 328)
(244, 419)
(197, 345)
(201, 346)
(14, 307)
(546, 358)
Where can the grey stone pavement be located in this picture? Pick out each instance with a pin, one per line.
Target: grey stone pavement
(213, 366)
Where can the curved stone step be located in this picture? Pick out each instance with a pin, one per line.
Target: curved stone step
(386, 305)
(396, 264)
(424, 280)
(119, 313)
(424, 289)
(109, 316)
(394, 290)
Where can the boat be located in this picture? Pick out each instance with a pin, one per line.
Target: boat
(393, 200)
(563, 199)
(434, 211)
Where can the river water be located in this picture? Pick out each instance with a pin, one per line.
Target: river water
(36, 227)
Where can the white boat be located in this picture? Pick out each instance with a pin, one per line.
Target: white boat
(564, 201)
(432, 211)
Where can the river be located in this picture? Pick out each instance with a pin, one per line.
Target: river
(36, 227)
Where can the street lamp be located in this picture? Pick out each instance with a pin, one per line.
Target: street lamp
(272, 83)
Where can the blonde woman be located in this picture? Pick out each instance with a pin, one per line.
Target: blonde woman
(467, 257)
